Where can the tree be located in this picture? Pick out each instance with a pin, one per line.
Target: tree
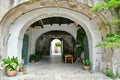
(111, 39)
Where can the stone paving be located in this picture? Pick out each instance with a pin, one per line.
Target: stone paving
(54, 69)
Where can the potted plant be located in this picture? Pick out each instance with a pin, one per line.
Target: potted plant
(86, 64)
(21, 68)
(10, 65)
(32, 58)
(79, 43)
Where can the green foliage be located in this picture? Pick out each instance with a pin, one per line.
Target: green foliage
(79, 49)
(100, 6)
(86, 62)
(10, 63)
(58, 44)
(32, 0)
(116, 22)
(79, 40)
(34, 57)
(21, 66)
(110, 74)
(107, 5)
(37, 57)
(80, 35)
(110, 4)
(110, 41)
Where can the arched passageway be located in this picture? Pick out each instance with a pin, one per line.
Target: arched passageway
(54, 48)
(15, 23)
(63, 41)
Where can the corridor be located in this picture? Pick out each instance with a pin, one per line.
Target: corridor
(53, 68)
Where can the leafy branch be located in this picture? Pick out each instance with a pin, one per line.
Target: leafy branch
(110, 74)
(111, 40)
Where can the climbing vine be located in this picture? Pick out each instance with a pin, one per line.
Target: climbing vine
(111, 40)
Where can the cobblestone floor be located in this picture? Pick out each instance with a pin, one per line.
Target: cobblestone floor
(52, 68)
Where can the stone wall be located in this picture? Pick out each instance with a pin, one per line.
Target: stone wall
(106, 62)
(116, 61)
(111, 60)
(1, 69)
(4, 7)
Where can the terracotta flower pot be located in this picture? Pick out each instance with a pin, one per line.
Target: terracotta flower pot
(21, 69)
(11, 73)
(86, 67)
(32, 61)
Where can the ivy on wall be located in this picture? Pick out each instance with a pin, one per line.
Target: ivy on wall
(111, 40)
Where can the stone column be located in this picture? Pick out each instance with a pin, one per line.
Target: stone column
(116, 60)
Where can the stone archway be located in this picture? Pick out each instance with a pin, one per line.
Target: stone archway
(18, 19)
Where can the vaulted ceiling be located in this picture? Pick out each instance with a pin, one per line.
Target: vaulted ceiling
(51, 21)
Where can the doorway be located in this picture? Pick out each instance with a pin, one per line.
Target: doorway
(25, 49)
(56, 47)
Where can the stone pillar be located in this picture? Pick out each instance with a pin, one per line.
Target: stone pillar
(116, 60)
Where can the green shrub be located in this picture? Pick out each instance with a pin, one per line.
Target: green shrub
(110, 41)
(86, 62)
(58, 44)
(10, 63)
(34, 57)
(110, 74)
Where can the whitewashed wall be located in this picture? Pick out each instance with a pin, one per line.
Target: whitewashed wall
(34, 35)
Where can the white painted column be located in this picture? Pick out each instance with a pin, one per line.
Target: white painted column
(12, 46)
(19, 51)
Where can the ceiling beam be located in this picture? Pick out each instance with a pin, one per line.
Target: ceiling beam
(51, 21)
(41, 23)
(60, 21)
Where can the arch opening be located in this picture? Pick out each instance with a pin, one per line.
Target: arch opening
(55, 50)
(21, 24)
(49, 39)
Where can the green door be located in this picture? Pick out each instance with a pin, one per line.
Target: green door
(25, 49)
(86, 48)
